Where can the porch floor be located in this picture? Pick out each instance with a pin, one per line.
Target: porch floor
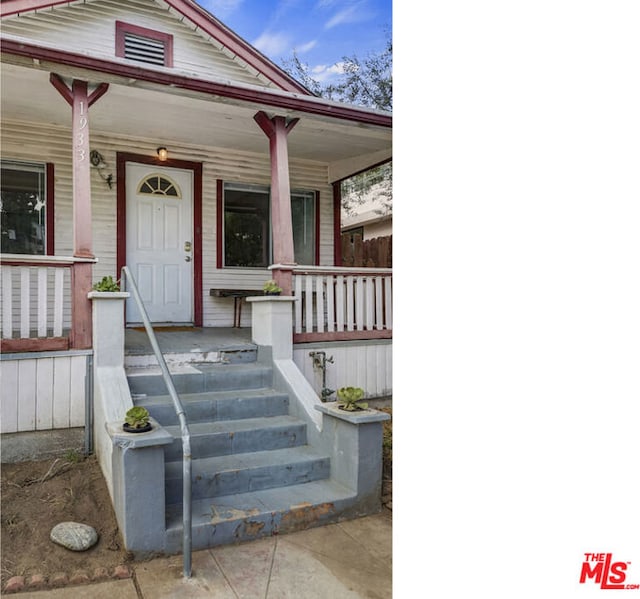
(188, 339)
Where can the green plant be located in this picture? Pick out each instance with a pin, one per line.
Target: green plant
(349, 398)
(107, 284)
(137, 417)
(72, 456)
(271, 286)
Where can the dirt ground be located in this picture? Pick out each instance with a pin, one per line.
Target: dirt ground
(35, 496)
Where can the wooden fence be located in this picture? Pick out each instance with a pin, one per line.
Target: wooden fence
(372, 253)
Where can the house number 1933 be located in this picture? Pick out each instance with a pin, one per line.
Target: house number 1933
(81, 137)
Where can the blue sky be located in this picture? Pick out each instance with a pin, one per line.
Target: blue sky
(320, 31)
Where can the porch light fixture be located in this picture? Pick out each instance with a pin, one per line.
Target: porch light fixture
(97, 161)
(163, 154)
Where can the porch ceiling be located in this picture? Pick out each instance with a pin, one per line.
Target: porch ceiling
(137, 109)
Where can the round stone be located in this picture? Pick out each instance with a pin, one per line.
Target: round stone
(74, 536)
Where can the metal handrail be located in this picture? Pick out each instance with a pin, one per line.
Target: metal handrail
(177, 404)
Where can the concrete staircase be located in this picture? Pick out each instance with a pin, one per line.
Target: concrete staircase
(254, 473)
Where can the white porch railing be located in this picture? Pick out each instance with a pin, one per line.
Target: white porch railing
(338, 303)
(35, 301)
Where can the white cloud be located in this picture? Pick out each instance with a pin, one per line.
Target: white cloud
(324, 73)
(353, 13)
(272, 44)
(348, 15)
(306, 47)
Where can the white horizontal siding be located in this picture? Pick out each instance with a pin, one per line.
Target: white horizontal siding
(90, 28)
(42, 393)
(355, 364)
(24, 141)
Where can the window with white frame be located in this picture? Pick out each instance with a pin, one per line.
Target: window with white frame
(303, 215)
(247, 225)
(23, 205)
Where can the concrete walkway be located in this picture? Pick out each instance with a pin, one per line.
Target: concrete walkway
(349, 560)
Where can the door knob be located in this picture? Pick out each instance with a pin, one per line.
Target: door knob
(187, 258)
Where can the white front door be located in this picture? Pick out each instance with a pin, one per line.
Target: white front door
(159, 242)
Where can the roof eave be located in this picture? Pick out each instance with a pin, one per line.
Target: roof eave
(274, 98)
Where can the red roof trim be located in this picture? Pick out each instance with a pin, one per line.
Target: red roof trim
(202, 19)
(269, 98)
(12, 7)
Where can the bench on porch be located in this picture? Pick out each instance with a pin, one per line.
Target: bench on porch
(238, 295)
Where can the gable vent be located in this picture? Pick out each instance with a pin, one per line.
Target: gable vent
(144, 45)
(144, 49)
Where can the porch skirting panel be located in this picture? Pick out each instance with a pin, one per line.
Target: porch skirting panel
(44, 391)
(365, 363)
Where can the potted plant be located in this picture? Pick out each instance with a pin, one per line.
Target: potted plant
(349, 399)
(271, 288)
(136, 420)
(106, 284)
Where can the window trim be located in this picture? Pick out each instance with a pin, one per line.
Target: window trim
(220, 223)
(258, 188)
(49, 206)
(49, 181)
(123, 28)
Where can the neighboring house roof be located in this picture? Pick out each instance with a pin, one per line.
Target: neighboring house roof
(363, 219)
(193, 15)
(372, 208)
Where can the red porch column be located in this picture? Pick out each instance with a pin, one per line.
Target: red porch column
(277, 129)
(79, 99)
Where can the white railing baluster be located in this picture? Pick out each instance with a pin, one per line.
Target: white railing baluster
(369, 302)
(25, 303)
(7, 303)
(388, 309)
(359, 291)
(42, 302)
(330, 304)
(58, 302)
(379, 322)
(340, 303)
(319, 303)
(308, 304)
(297, 305)
(350, 319)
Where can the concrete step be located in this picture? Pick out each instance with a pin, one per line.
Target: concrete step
(249, 516)
(175, 359)
(243, 473)
(217, 405)
(227, 437)
(200, 378)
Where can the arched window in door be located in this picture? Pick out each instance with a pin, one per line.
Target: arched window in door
(157, 184)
